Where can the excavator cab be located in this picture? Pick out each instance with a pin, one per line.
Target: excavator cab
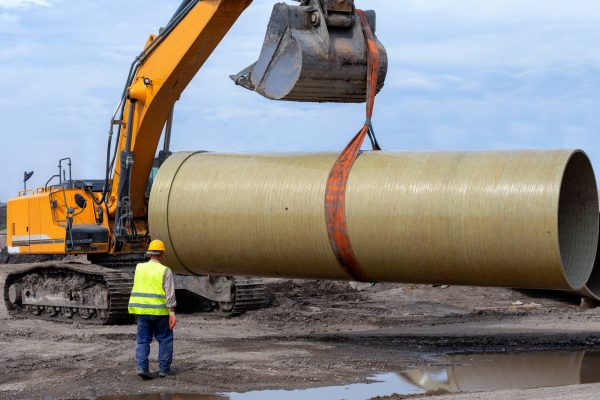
(314, 52)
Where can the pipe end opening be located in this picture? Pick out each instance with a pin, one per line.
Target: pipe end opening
(578, 219)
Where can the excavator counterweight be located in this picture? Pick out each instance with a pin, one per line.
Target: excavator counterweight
(315, 52)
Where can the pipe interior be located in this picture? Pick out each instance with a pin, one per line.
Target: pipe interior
(593, 284)
(578, 219)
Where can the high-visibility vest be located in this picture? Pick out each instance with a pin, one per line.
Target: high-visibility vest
(148, 296)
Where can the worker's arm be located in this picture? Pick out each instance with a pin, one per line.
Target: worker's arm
(169, 287)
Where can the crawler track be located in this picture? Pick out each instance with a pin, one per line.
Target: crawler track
(70, 292)
(94, 294)
(250, 294)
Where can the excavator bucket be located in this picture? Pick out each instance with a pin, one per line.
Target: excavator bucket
(315, 52)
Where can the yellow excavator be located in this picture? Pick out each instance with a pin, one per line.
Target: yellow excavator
(314, 51)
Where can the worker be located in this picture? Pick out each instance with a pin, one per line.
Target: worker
(153, 303)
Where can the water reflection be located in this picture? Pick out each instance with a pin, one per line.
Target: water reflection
(164, 396)
(466, 373)
(381, 385)
(489, 372)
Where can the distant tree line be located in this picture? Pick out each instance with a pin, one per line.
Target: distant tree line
(2, 216)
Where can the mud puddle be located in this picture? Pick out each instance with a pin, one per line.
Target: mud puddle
(163, 396)
(451, 374)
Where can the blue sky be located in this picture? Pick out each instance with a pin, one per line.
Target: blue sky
(464, 74)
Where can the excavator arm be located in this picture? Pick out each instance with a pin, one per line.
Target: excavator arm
(156, 80)
(312, 52)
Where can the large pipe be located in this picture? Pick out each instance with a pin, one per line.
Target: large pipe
(525, 219)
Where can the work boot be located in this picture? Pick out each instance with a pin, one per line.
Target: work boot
(163, 374)
(144, 374)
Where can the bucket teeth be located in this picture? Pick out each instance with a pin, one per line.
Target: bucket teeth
(306, 59)
(243, 78)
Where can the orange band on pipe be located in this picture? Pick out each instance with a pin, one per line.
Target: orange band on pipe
(335, 193)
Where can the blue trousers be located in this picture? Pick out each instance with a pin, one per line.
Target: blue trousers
(149, 326)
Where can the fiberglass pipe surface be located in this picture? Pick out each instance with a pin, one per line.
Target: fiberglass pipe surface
(523, 219)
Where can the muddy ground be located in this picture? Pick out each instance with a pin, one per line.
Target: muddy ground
(315, 334)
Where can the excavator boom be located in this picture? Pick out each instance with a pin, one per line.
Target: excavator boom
(313, 52)
(157, 78)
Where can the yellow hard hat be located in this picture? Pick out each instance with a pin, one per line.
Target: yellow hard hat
(156, 245)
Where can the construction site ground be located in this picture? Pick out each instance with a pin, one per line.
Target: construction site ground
(316, 333)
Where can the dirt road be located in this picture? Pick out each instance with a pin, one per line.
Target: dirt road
(316, 334)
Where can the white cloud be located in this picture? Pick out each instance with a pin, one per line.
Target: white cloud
(7, 18)
(24, 3)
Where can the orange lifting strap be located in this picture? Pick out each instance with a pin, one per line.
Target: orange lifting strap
(335, 194)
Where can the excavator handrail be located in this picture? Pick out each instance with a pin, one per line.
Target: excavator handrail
(31, 192)
(26, 192)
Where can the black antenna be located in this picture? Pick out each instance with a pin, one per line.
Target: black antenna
(26, 177)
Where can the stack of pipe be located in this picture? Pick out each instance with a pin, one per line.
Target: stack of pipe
(522, 219)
